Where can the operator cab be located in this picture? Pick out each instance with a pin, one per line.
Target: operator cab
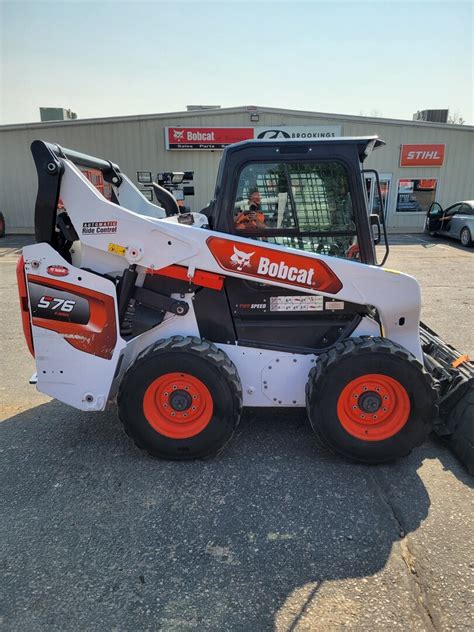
(307, 195)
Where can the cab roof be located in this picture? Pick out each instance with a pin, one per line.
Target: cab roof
(365, 144)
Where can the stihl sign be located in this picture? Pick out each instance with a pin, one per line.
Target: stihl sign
(264, 263)
(422, 155)
(205, 137)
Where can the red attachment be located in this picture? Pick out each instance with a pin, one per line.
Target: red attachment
(200, 277)
(24, 306)
(178, 405)
(97, 179)
(389, 418)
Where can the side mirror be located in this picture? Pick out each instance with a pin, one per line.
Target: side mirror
(375, 221)
(144, 177)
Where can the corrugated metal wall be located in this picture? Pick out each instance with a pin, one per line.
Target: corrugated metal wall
(138, 143)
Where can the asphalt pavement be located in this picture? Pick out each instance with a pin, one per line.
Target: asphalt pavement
(273, 534)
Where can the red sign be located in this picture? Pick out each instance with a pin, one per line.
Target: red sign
(422, 155)
(274, 265)
(426, 185)
(205, 137)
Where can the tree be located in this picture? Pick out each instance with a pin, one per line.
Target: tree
(456, 119)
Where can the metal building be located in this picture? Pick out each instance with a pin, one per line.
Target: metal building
(422, 161)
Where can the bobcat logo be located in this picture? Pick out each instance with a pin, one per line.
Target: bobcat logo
(178, 135)
(241, 260)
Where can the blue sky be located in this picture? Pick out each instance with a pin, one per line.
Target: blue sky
(124, 57)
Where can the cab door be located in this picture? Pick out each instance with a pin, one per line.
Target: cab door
(303, 204)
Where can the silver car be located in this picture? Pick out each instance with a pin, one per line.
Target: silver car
(457, 221)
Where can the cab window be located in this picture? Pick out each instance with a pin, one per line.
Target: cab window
(301, 205)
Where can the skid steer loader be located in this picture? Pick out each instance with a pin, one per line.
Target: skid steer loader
(270, 297)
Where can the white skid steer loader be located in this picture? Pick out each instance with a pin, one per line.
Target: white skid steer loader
(270, 297)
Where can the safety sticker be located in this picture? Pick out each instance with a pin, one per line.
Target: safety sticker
(296, 303)
(117, 249)
(99, 228)
(334, 304)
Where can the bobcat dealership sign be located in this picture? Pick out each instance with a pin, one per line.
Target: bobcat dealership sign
(422, 155)
(274, 265)
(205, 137)
(210, 138)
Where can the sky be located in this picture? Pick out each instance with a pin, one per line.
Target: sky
(128, 57)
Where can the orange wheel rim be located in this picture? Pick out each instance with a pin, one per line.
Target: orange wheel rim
(178, 405)
(373, 407)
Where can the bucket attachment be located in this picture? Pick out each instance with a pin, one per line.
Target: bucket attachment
(454, 374)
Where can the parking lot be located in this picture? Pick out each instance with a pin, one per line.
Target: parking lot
(274, 534)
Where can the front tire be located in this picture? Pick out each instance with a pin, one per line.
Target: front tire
(181, 399)
(370, 400)
(466, 239)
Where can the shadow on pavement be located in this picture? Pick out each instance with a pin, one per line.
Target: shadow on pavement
(96, 534)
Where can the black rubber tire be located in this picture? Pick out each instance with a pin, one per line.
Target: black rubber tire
(467, 243)
(356, 357)
(461, 424)
(2, 225)
(202, 360)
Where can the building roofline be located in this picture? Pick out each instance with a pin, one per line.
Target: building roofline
(233, 110)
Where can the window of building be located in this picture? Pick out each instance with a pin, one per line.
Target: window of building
(302, 205)
(416, 196)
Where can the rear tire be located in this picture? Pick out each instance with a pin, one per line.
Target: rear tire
(181, 399)
(370, 400)
(466, 238)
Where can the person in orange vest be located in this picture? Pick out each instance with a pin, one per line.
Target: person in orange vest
(252, 218)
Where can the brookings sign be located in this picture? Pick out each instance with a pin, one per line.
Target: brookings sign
(210, 138)
(298, 132)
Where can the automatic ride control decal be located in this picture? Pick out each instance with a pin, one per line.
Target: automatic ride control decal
(99, 228)
(267, 264)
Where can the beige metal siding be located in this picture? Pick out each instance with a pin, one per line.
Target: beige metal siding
(138, 143)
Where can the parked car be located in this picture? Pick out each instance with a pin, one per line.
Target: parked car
(456, 221)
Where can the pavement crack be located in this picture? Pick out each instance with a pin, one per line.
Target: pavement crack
(418, 584)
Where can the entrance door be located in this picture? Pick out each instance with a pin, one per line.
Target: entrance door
(373, 194)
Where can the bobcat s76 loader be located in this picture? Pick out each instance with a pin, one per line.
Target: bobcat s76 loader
(271, 297)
